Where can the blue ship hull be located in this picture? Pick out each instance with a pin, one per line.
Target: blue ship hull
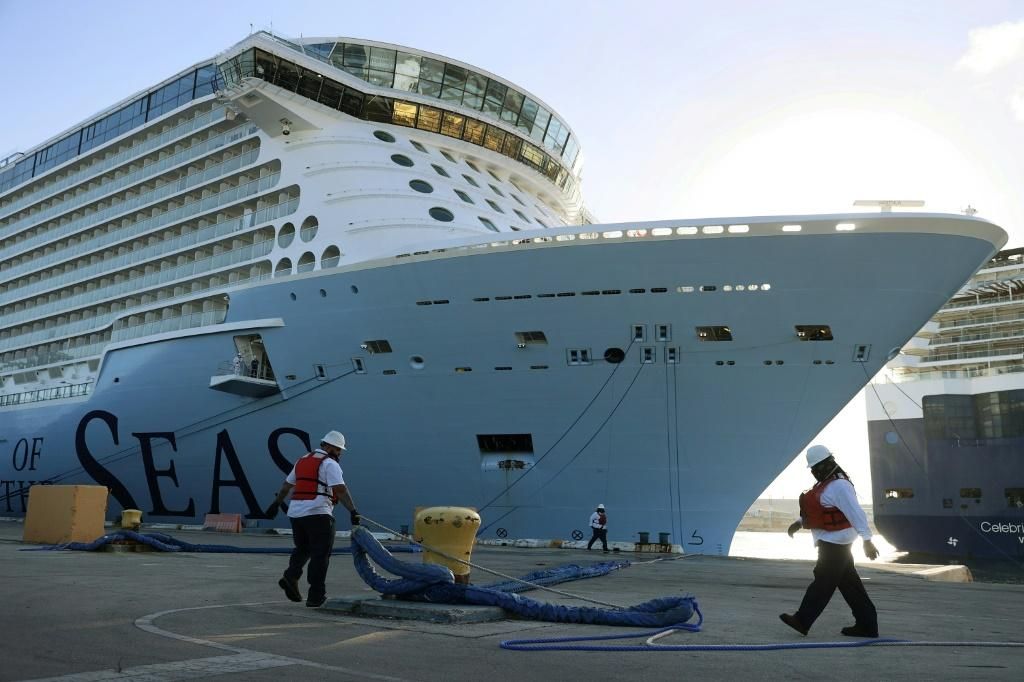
(679, 446)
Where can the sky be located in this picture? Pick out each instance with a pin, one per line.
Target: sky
(683, 108)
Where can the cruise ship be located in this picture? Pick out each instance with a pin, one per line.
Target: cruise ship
(295, 236)
(946, 425)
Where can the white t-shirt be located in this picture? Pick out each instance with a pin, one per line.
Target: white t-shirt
(841, 494)
(595, 521)
(330, 473)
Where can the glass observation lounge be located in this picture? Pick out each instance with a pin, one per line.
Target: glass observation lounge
(370, 107)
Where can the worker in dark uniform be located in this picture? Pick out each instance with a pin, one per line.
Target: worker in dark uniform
(599, 526)
(831, 511)
(317, 486)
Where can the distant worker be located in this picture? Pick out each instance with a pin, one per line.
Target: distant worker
(599, 524)
(238, 363)
(318, 486)
(831, 511)
(254, 367)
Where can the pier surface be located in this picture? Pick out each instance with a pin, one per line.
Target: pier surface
(160, 616)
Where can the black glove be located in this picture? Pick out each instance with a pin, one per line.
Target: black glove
(794, 527)
(355, 517)
(272, 510)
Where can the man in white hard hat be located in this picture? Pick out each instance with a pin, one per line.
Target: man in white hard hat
(599, 525)
(318, 486)
(831, 511)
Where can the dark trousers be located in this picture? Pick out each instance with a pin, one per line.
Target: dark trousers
(835, 569)
(599, 534)
(314, 539)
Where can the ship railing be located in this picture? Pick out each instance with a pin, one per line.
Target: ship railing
(185, 155)
(126, 206)
(215, 115)
(40, 394)
(932, 374)
(228, 368)
(987, 301)
(135, 257)
(994, 352)
(967, 338)
(977, 321)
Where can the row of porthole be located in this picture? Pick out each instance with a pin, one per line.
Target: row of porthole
(307, 231)
(417, 362)
(323, 293)
(442, 214)
(615, 292)
(307, 261)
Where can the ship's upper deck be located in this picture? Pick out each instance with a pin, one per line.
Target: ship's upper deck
(452, 82)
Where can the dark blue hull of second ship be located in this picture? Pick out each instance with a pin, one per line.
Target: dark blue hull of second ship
(940, 495)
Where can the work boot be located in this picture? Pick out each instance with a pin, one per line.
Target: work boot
(860, 631)
(793, 622)
(314, 602)
(291, 588)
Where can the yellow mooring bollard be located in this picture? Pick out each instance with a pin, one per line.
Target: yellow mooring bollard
(451, 530)
(131, 519)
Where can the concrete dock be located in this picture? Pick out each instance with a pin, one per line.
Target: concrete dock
(177, 616)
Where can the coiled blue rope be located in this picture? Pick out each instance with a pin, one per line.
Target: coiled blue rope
(433, 583)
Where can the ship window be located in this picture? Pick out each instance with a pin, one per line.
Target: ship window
(504, 442)
(309, 228)
(470, 180)
(472, 165)
(814, 332)
(947, 502)
(518, 200)
(418, 146)
(440, 171)
(521, 215)
(286, 235)
(496, 190)
(970, 493)
(401, 160)
(376, 346)
(524, 339)
(714, 333)
(1015, 497)
(494, 206)
(330, 257)
(306, 262)
(487, 223)
(284, 267)
(421, 186)
(465, 197)
(448, 156)
(383, 136)
(442, 214)
(672, 356)
(898, 493)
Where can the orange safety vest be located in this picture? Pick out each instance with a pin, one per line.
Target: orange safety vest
(814, 514)
(307, 478)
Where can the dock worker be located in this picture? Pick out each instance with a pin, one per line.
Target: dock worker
(599, 525)
(317, 485)
(831, 511)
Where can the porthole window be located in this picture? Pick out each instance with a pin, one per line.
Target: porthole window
(310, 226)
(440, 171)
(383, 136)
(416, 362)
(421, 186)
(472, 165)
(521, 215)
(401, 160)
(418, 146)
(330, 257)
(286, 236)
(465, 197)
(284, 267)
(442, 214)
(470, 180)
(496, 190)
(494, 206)
(447, 156)
(306, 263)
(488, 224)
